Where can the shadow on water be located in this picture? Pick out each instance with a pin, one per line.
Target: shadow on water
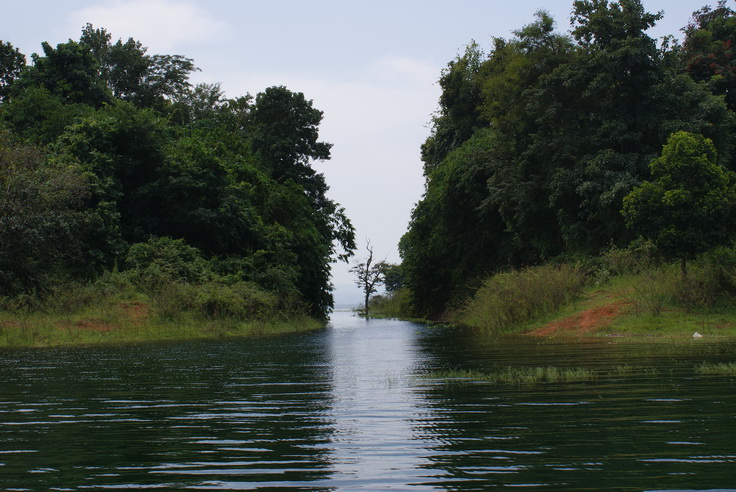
(356, 406)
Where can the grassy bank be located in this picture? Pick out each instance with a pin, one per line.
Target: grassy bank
(124, 323)
(643, 299)
(628, 292)
(117, 310)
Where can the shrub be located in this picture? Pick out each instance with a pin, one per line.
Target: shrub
(651, 290)
(242, 300)
(722, 262)
(166, 259)
(214, 301)
(396, 304)
(507, 300)
(635, 258)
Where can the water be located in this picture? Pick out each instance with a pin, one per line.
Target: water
(351, 407)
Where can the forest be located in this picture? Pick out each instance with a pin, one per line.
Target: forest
(550, 148)
(116, 170)
(558, 147)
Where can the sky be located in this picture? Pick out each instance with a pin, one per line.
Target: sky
(372, 67)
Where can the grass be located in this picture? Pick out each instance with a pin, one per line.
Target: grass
(562, 301)
(45, 330)
(720, 369)
(115, 310)
(517, 375)
(508, 300)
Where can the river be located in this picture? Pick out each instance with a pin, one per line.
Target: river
(356, 406)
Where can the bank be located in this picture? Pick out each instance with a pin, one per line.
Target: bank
(615, 295)
(128, 322)
(113, 309)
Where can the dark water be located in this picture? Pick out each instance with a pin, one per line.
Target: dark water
(350, 407)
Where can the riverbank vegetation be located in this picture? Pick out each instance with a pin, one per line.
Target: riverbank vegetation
(624, 292)
(120, 178)
(553, 153)
(516, 375)
(525, 375)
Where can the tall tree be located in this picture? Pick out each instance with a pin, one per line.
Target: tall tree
(149, 81)
(70, 71)
(12, 61)
(43, 223)
(459, 113)
(284, 135)
(689, 206)
(709, 52)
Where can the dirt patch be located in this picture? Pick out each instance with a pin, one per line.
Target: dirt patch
(91, 324)
(588, 321)
(10, 324)
(138, 312)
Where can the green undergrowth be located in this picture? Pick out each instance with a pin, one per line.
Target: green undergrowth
(720, 369)
(507, 301)
(624, 292)
(518, 376)
(120, 308)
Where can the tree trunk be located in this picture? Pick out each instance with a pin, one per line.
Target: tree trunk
(683, 267)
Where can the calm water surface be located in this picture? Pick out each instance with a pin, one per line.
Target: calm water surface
(352, 407)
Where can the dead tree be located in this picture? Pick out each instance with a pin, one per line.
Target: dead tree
(369, 276)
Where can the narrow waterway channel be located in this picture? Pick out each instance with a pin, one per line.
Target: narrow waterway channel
(359, 405)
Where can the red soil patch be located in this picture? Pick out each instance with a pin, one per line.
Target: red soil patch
(588, 321)
(137, 311)
(93, 325)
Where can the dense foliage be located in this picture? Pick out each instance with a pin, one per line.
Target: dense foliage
(111, 159)
(536, 144)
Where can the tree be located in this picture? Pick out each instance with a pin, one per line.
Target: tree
(284, 134)
(283, 127)
(369, 276)
(43, 224)
(688, 208)
(149, 81)
(393, 277)
(708, 50)
(12, 62)
(459, 115)
(70, 71)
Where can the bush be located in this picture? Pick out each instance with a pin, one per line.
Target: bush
(652, 289)
(396, 304)
(722, 263)
(70, 296)
(166, 260)
(242, 300)
(638, 256)
(215, 301)
(507, 300)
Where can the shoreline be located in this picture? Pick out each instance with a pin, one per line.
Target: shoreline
(132, 323)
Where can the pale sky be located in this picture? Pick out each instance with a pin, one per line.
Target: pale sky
(371, 66)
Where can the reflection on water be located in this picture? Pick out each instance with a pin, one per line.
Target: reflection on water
(374, 409)
(350, 407)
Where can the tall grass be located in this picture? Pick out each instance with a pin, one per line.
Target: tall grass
(508, 300)
(649, 291)
(393, 305)
(119, 307)
(722, 369)
(517, 375)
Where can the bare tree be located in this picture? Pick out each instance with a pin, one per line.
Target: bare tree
(369, 276)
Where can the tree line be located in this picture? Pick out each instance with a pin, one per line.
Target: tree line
(112, 160)
(562, 145)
